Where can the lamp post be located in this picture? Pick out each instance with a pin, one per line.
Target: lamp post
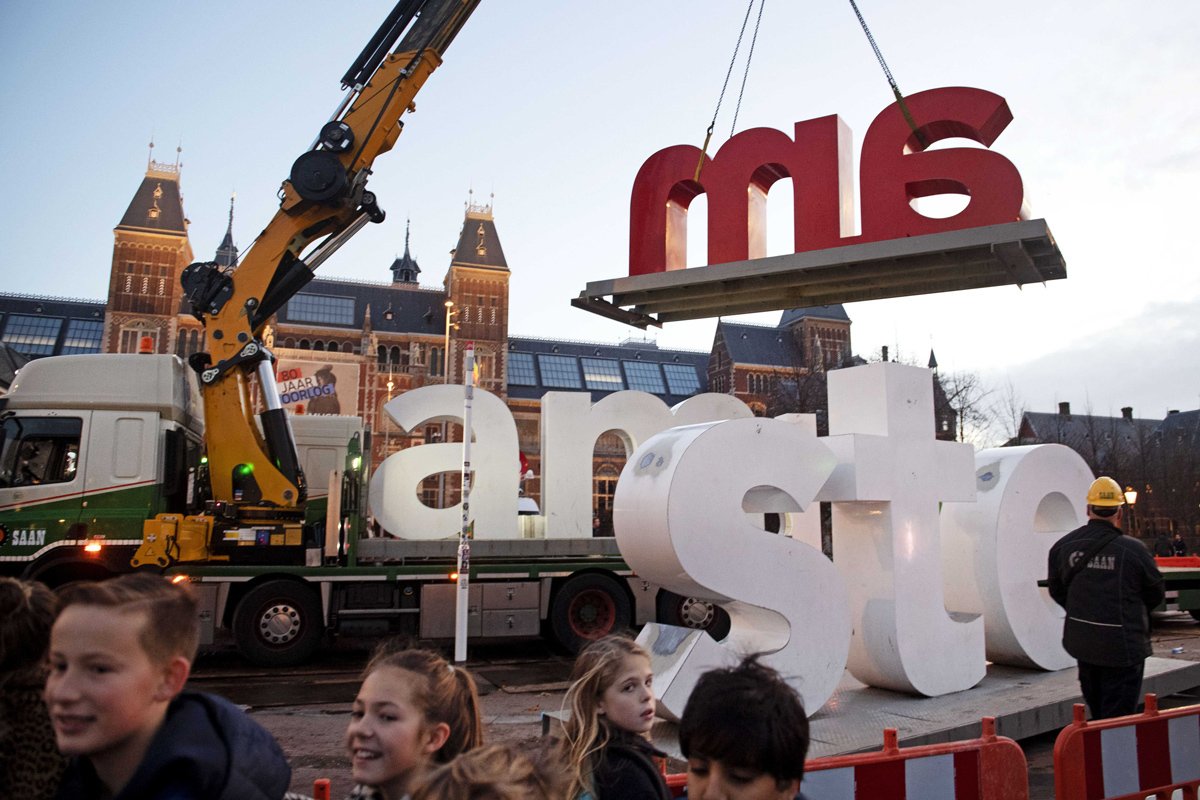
(1131, 500)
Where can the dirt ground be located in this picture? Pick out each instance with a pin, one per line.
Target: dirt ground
(312, 735)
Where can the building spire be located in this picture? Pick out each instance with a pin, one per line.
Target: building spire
(405, 268)
(227, 253)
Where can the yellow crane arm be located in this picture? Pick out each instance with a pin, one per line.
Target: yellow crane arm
(323, 203)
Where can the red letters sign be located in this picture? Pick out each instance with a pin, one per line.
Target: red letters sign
(894, 170)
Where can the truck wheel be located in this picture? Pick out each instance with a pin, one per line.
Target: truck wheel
(693, 612)
(586, 608)
(278, 624)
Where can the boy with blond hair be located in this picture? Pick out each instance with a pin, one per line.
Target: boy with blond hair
(120, 653)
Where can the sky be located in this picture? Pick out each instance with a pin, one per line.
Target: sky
(547, 110)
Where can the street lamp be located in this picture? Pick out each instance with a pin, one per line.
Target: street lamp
(1131, 500)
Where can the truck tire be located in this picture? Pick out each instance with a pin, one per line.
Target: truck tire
(586, 608)
(692, 612)
(278, 624)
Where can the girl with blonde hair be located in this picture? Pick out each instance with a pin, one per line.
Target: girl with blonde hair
(605, 743)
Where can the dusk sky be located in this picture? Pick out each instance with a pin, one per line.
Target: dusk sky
(553, 107)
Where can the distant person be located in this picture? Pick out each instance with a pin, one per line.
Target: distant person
(30, 764)
(1178, 546)
(494, 772)
(413, 711)
(744, 734)
(327, 401)
(120, 654)
(612, 706)
(1108, 583)
(1162, 546)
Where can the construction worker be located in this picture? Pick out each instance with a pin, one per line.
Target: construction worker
(1108, 583)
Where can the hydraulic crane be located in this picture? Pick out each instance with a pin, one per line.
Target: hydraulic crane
(256, 479)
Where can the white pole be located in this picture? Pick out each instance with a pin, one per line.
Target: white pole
(464, 538)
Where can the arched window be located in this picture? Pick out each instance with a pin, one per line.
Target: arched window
(304, 345)
(333, 347)
(319, 345)
(381, 354)
(395, 355)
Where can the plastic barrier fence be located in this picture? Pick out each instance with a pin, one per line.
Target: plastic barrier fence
(988, 768)
(1151, 755)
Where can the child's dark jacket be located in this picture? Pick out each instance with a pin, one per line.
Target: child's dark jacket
(206, 749)
(627, 770)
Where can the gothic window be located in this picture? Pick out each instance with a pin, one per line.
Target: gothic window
(132, 336)
(381, 355)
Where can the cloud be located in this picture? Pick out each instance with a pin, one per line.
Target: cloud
(1150, 362)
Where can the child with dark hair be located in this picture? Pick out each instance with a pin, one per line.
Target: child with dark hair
(413, 710)
(612, 705)
(744, 735)
(120, 653)
(30, 764)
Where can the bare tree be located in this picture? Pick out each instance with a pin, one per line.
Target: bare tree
(968, 396)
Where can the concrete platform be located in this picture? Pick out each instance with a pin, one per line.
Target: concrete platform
(1024, 702)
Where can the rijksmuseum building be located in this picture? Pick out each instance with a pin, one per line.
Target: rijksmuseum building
(373, 340)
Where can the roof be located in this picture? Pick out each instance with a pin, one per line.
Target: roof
(794, 315)
(37, 326)
(757, 344)
(537, 366)
(1181, 424)
(342, 304)
(1100, 435)
(478, 244)
(157, 206)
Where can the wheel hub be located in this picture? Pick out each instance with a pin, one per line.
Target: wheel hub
(279, 624)
(696, 613)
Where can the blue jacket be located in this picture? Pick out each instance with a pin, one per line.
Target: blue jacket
(206, 749)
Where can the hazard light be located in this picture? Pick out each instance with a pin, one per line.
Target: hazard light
(453, 576)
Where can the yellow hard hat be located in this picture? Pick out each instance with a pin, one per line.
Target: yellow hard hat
(1105, 491)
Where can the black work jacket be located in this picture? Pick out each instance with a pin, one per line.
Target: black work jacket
(1108, 603)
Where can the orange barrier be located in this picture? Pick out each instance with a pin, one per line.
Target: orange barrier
(988, 768)
(1151, 755)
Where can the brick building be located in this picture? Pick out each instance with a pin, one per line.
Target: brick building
(348, 346)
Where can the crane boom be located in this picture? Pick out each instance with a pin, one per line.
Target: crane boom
(256, 476)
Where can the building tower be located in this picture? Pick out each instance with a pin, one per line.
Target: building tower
(405, 268)
(477, 285)
(150, 250)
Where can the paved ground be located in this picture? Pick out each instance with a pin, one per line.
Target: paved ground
(516, 690)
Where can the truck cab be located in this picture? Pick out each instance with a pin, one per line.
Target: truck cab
(90, 447)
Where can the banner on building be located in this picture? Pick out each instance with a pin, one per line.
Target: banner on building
(317, 387)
